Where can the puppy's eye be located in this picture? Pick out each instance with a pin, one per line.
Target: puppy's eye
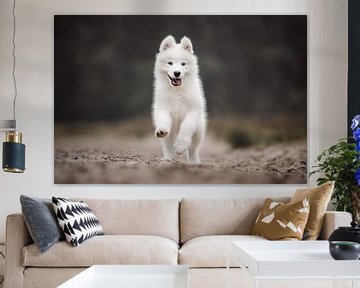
(170, 63)
(183, 63)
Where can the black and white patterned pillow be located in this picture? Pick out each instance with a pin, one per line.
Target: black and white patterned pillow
(77, 220)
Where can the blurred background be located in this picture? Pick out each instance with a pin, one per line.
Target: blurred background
(253, 67)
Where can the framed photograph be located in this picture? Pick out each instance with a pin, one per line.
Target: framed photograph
(180, 99)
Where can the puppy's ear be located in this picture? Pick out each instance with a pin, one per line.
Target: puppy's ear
(169, 41)
(187, 45)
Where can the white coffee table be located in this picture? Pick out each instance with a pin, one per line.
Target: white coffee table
(292, 260)
(131, 276)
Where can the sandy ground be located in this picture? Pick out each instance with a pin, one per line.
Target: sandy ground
(85, 160)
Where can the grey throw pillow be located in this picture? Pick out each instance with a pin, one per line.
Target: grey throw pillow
(41, 221)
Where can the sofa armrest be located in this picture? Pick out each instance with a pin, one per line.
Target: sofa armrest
(333, 220)
(17, 237)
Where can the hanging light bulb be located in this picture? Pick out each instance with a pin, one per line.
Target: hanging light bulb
(13, 149)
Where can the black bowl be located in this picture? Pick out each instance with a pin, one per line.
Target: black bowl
(344, 250)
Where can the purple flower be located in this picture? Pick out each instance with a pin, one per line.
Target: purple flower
(356, 134)
(357, 147)
(355, 122)
(357, 176)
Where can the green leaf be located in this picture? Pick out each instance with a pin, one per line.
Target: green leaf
(339, 163)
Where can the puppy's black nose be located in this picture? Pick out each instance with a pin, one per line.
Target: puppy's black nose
(176, 73)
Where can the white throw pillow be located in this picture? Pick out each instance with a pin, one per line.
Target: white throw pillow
(77, 220)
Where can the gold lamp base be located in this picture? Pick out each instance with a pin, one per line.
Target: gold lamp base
(13, 170)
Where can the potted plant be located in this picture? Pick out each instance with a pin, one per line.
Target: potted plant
(341, 163)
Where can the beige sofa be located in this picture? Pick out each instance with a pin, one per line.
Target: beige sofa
(194, 232)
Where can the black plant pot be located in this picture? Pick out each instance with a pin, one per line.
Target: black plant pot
(351, 234)
(343, 250)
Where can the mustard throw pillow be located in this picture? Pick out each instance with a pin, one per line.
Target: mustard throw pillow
(319, 198)
(279, 221)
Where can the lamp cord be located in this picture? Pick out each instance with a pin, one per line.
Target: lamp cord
(14, 62)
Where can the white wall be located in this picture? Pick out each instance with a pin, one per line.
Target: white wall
(327, 26)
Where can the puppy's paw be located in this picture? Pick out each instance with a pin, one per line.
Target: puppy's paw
(181, 146)
(161, 133)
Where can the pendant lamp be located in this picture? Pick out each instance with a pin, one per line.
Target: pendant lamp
(13, 150)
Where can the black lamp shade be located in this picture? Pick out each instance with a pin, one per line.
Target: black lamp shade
(13, 157)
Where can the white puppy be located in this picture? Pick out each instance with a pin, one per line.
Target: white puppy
(179, 113)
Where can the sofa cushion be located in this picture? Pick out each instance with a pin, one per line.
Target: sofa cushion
(211, 251)
(77, 220)
(107, 249)
(158, 217)
(41, 221)
(35, 277)
(200, 217)
(279, 221)
(319, 198)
